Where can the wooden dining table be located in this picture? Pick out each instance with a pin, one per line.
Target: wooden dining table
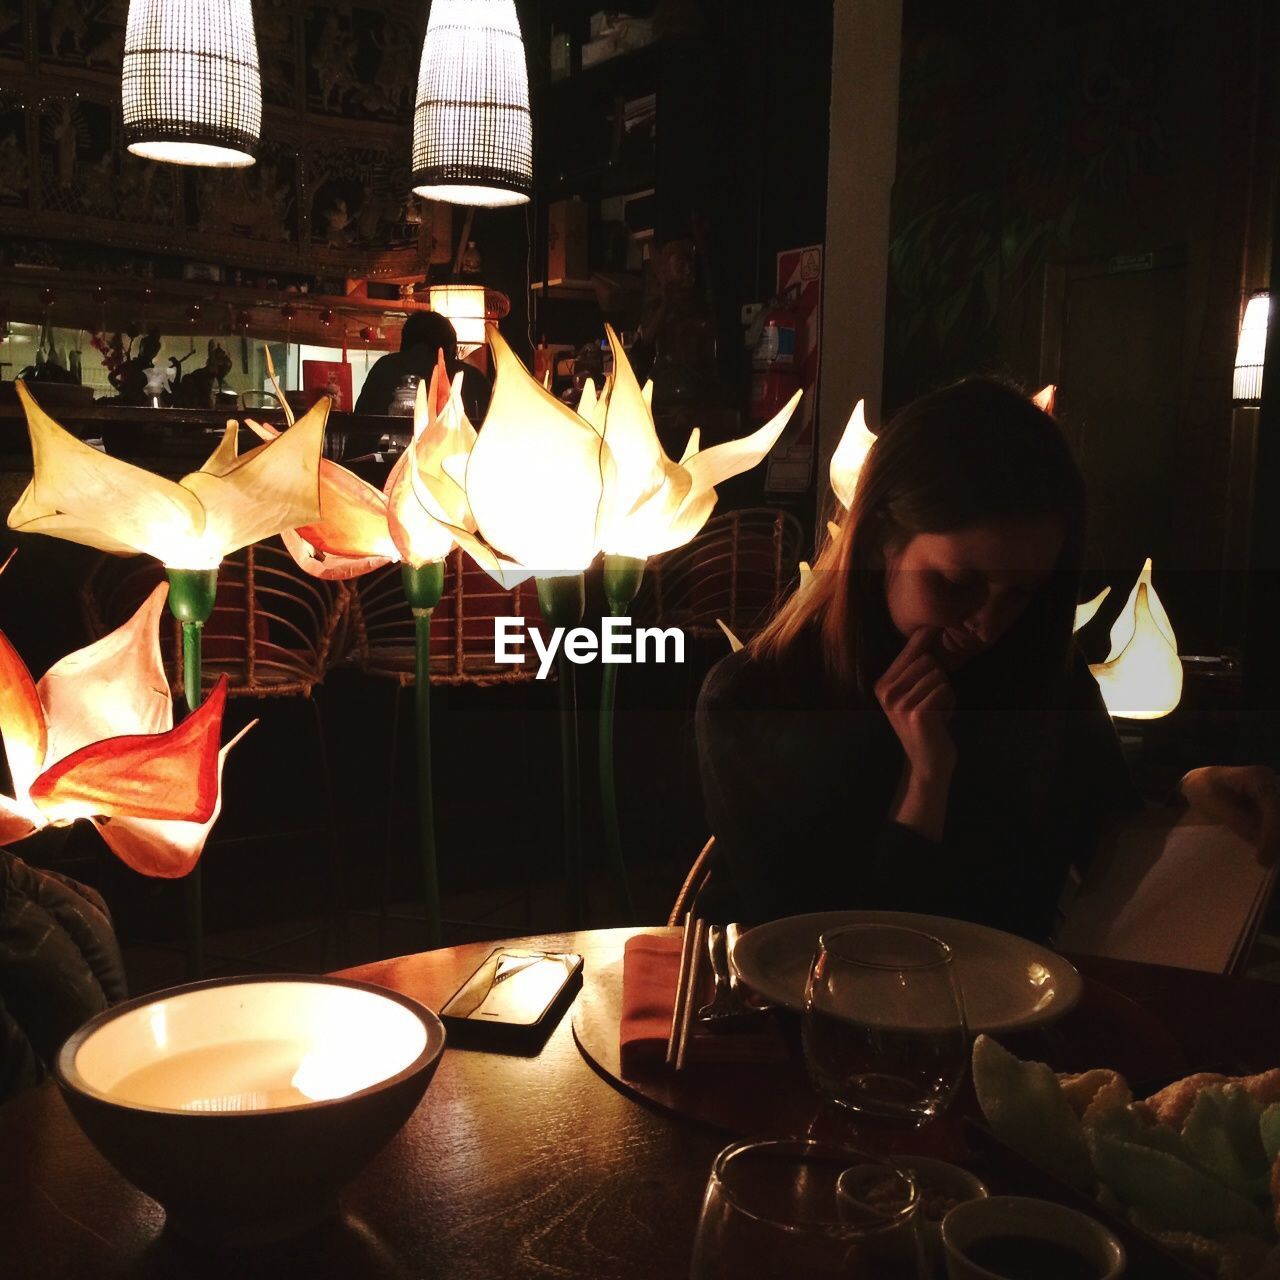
(512, 1166)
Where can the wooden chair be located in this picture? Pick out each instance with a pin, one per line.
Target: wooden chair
(272, 633)
(381, 643)
(737, 570)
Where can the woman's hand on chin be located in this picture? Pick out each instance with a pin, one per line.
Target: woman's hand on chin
(1245, 798)
(918, 700)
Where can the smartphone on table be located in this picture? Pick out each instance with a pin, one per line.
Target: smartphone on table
(513, 1001)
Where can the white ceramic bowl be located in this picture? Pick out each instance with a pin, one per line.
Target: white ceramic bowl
(242, 1105)
(938, 1178)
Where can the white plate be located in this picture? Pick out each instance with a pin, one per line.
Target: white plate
(1008, 983)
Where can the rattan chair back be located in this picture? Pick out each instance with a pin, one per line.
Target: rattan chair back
(738, 569)
(272, 631)
(381, 626)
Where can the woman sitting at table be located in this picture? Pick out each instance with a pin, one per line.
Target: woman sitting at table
(915, 729)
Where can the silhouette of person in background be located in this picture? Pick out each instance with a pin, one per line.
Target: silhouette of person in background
(425, 334)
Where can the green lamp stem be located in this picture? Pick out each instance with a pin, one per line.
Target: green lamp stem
(622, 578)
(563, 601)
(423, 587)
(191, 597)
(192, 663)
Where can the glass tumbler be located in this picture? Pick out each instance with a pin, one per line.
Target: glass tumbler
(883, 1029)
(783, 1208)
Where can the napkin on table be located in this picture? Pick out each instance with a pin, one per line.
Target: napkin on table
(650, 967)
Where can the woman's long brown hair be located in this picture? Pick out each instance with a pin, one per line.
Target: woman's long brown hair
(975, 453)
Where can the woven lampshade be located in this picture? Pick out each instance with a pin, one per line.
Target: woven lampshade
(472, 135)
(1251, 351)
(468, 307)
(191, 90)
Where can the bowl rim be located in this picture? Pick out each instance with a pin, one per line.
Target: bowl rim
(72, 1082)
(1109, 1241)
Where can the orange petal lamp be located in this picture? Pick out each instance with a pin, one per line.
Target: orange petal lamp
(83, 495)
(95, 739)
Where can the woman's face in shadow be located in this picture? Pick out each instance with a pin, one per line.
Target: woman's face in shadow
(970, 584)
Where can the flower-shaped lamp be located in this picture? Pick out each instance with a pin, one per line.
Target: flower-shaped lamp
(850, 454)
(1144, 680)
(95, 739)
(361, 528)
(85, 496)
(1142, 676)
(648, 505)
(1086, 611)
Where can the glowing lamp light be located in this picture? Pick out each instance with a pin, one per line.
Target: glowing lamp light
(1142, 676)
(191, 92)
(361, 528)
(1085, 612)
(348, 1057)
(95, 739)
(855, 443)
(1123, 628)
(649, 504)
(468, 307)
(851, 453)
(523, 501)
(472, 132)
(85, 496)
(735, 645)
(1251, 351)
(1144, 680)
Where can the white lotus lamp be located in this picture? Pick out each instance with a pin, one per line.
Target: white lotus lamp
(850, 454)
(1085, 612)
(649, 504)
(1123, 627)
(1144, 680)
(523, 502)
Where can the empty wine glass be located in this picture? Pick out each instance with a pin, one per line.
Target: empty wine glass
(883, 1030)
(783, 1208)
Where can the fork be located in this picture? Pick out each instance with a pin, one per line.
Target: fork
(724, 1001)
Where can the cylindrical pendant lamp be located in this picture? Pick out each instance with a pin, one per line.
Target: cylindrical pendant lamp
(191, 90)
(468, 307)
(1251, 351)
(472, 134)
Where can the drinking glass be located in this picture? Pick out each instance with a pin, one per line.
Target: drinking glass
(784, 1208)
(883, 1029)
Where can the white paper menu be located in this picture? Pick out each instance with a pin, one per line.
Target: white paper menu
(1189, 895)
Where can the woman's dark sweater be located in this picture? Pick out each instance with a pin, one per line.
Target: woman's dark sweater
(799, 779)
